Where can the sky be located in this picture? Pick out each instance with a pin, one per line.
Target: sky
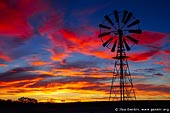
(50, 50)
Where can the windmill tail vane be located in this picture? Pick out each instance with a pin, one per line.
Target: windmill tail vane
(119, 32)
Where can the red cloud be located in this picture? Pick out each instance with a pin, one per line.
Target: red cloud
(77, 41)
(153, 40)
(15, 15)
(52, 24)
(13, 22)
(167, 69)
(80, 41)
(5, 57)
(142, 56)
(149, 37)
(84, 39)
(166, 52)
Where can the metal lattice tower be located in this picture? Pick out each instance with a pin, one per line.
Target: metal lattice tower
(122, 28)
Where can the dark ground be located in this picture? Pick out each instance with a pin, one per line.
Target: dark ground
(88, 107)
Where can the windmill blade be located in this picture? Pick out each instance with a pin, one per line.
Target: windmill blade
(114, 46)
(104, 34)
(116, 16)
(134, 23)
(128, 17)
(104, 26)
(138, 31)
(108, 19)
(107, 42)
(126, 45)
(124, 15)
(132, 39)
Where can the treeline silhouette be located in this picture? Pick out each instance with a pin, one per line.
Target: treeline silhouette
(20, 100)
(29, 105)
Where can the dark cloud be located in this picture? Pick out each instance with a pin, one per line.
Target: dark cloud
(158, 74)
(152, 87)
(16, 91)
(61, 80)
(96, 87)
(78, 64)
(146, 70)
(21, 73)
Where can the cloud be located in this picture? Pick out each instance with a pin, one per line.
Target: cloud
(15, 25)
(153, 88)
(89, 44)
(150, 37)
(18, 25)
(77, 61)
(16, 74)
(5, 57)
(51, 23)
(158, 74)
(57, 55)
(15, 15)
(3, 65)
(69, 41)
(78, 65)
(73, 83)
(39, 63)
(148, 70)
(143, 56)
(152, 43)
(164, 60)
(21, 91)
(167, 69)
(166, 52)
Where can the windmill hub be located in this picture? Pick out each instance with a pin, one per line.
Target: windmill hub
(120, 32)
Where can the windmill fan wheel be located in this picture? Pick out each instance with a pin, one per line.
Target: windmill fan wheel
(119, 26)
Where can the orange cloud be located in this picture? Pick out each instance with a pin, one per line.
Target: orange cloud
(71, 41)
(3, 65)
(39, 63)
(81, 88)
(57, 56)
(14, 83)
(151, 91)
(164, 60)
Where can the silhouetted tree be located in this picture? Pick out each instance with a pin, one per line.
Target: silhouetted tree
(2, 101)
(9, 100)
(6, 101)
(27, 100)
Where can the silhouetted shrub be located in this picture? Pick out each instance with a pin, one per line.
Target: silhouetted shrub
(27, 100)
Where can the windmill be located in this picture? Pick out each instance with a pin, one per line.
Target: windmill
(119, 32)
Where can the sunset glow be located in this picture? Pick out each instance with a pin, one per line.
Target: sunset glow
(50, 50)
